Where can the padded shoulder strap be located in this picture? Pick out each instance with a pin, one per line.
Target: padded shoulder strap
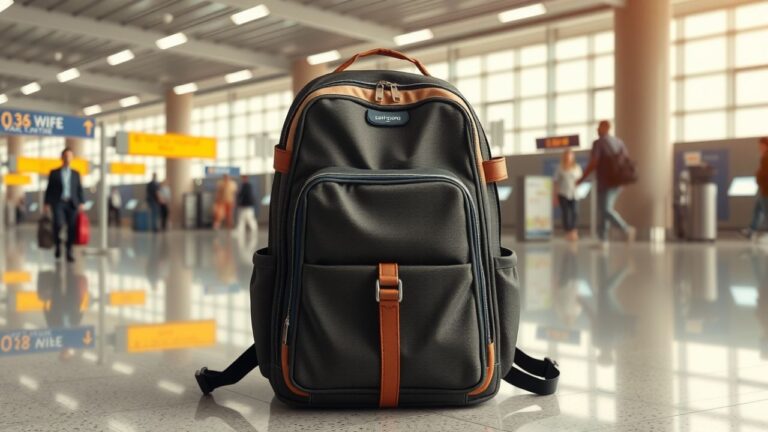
(533, 375)
(210, 380)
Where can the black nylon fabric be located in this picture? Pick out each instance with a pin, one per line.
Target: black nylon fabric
(337, 342)
(262, 290)
(411, 224)
(508, 297)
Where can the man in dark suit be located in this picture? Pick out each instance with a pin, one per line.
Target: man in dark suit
(64, 197)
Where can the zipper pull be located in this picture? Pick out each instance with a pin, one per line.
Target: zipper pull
(395, 92)
(380, 91)
(286, 323)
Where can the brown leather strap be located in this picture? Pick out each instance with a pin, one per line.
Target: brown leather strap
(282, 161)
(495, 169)
(383, 52)
(389, 296)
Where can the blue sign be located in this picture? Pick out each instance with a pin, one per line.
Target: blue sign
(16, 122)
(15, 342)
(215, 171)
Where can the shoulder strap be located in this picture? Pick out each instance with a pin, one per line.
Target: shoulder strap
(210, 380)
(533, 375)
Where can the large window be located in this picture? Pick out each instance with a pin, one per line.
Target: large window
(556, 86)
(721, 87)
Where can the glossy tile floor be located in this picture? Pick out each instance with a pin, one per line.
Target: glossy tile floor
(649, 339)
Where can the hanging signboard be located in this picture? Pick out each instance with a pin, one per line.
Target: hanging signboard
(165, 145)
(17, 122)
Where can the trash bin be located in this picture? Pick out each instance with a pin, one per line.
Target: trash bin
(702, 204)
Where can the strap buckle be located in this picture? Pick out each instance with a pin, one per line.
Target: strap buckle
(399, 291)
(551, 367)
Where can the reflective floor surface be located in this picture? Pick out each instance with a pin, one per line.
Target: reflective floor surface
(648, 339)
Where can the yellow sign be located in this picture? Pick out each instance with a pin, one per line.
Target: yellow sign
(127, 298)
(16, 277)
(167, 145)
(168, 336)
(44, 166)
(17, 179)
(127, 168)
(28, 301)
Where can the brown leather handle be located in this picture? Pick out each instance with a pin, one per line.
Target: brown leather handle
(383, 52)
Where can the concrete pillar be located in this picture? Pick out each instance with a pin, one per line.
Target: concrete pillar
(77, 146)
(303, 72)
(178, 115)
(642, 110)
(15, 144)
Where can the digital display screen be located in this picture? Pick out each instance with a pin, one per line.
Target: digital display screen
(33, 207)
(743, 186)
(131, 204)
(582, 190)
(267, 198)
(88, 205)
(557, 142)
(504, 192)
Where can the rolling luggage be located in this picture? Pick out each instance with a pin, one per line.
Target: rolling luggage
(82, 229)
(384, 283)
(45, 235)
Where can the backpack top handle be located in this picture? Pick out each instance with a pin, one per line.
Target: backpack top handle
(383, 52)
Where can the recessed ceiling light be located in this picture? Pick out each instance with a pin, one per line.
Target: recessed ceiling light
(185, 88)
(171, 41)
(92, 110)
(249, 15)
(68, 75)
(521, 13)
(30, 88)
(323, 57)
(3, 99)
(242, 75)
(120, 57)
(5, 4)
(129, 101)
(413, 37)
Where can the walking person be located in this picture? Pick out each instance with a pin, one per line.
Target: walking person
(164, 199)
(566, 176)
(226, 190)
(64, 198)
(153, 202)
(246, 209)
(760, 209)
(610, 162)
(115, 202)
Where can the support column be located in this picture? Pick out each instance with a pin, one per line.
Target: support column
(178, 114)
(77, 146)
(303, 72)
(642, 111)
(15, 144)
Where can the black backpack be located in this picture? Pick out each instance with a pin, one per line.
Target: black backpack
(616, 168)
(384, 282)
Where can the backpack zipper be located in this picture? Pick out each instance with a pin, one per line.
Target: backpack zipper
(393, 91)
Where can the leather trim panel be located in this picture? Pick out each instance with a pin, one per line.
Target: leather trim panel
(488, 372)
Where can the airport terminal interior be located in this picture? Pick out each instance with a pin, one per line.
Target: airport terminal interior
(130, 267)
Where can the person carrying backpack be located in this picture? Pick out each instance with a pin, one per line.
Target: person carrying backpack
(759, 214)
(613, 169)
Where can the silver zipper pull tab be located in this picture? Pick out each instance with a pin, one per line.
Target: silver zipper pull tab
(286, 323)
(380, 91)
(395, 92)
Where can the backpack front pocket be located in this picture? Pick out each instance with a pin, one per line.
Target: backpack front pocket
(345, 223)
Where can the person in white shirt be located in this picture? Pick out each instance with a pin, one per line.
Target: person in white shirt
(566, 176)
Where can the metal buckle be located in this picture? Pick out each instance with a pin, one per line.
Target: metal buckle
(399, 290)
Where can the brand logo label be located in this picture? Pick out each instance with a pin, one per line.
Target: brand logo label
(387, 118)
